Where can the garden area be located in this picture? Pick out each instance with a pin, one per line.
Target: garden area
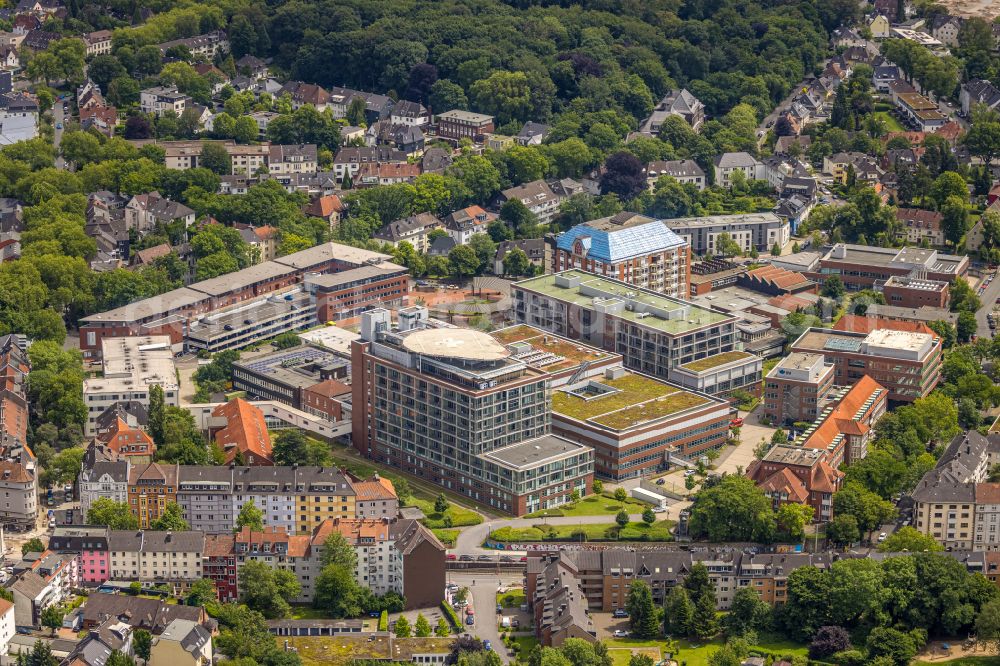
(661, 530)
(511, 598)
(341, 650)
(892, 124)
(445, 516)
(593, 505)
(698, 653)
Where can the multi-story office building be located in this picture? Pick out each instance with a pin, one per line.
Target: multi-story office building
(457, 125)
(132, 365)
(760, 231)
(285, 375)
(629, 247)
(721, 374)
(653, 333)
(257, 302)
(907, 363)
(347, 294)
(636, 424)
(907, 292)
(796, 388)
(455, 407)
(866, 267)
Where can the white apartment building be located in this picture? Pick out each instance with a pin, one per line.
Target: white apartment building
(103, 479)
(132, 365)
(156, 557)
(161, 99)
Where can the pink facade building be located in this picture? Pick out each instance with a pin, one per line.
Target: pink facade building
(90, 544)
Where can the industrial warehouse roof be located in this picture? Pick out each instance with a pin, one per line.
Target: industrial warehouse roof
(457, 343)
(622, 236)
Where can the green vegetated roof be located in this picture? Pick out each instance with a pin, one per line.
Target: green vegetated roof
(716, 360)
(638, 400)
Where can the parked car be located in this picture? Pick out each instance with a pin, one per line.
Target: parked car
(506, 558)
(499, 608)
(487, 645)
(620, 612)
(466, 558)
(882, 537)
(736, 423)
(484, 558)
(689, 472)
(619, 633)
(470, 620)
(660, 482)
(451, 557)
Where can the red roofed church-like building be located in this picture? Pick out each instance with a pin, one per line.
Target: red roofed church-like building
(244, 433)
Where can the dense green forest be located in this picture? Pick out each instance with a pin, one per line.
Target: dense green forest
(519, 60)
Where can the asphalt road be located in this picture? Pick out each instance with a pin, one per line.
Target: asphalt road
(989, 298)
(59, 118)
(470, 539)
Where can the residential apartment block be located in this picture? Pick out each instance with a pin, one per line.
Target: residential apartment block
(760, 231)
(954, 503)
(629, 247)
(456, 407)
(19, 485)
(457, 125)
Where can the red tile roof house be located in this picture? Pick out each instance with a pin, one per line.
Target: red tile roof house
(245, 433)
(795, 475)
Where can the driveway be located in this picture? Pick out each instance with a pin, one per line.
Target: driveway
(483, 588)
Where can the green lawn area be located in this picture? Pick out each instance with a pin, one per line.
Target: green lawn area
(307, 613)
(460, 516)
(593, 505)
(891, 123)
(526, 645)
(511, 599)
(697, 654)
(715, 361)
(638, 531)
(341, 650)
(446, 536)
